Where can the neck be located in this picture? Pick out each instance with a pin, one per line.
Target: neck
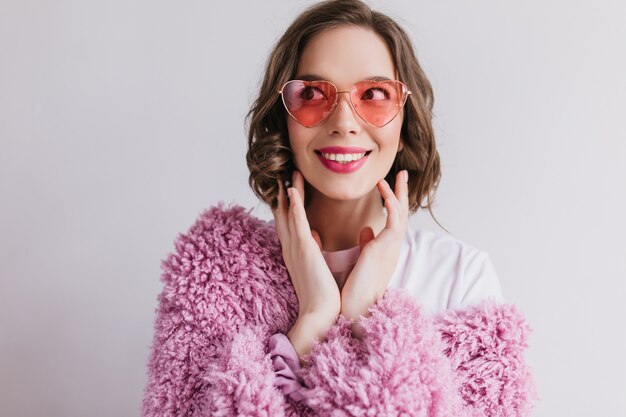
(339, 223)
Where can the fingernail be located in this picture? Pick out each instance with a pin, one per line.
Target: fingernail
(289, 192)
(405, 175)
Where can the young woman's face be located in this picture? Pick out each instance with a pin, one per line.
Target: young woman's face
(344, 56)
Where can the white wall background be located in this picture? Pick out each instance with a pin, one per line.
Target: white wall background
(120, 121)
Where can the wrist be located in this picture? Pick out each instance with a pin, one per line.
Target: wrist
(319, 317)
(304, 331)
(352, 312)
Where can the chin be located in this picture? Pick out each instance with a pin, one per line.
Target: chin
(344, 194)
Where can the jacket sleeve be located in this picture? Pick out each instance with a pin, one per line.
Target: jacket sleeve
(192, 372)
(398, 368)
(242, 380)
(485, 344)
(462, 363)
(208, 355)
(178, 360)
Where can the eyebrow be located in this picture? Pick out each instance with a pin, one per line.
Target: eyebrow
(315, 77)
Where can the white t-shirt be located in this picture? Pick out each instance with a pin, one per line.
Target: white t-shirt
(439, 271)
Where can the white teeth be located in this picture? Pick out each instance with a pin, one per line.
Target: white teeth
(343, 157)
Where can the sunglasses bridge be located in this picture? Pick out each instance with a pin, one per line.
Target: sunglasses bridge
(349, 99)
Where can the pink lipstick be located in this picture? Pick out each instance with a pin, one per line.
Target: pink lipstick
(338, 152)
(342, 149)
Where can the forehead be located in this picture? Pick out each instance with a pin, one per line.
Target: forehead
(345, 55)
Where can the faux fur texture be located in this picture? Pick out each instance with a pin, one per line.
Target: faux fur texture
(226, 291)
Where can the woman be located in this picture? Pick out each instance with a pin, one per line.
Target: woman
(338, 307)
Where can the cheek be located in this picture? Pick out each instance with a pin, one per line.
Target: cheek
(295, 134)
(299, 138)
(398, 121)
(388, 138)
(394, 133)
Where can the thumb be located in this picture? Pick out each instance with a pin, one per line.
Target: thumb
(366, 235)
(317, 238)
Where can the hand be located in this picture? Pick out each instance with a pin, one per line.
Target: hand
(315, 286)
(379, 256)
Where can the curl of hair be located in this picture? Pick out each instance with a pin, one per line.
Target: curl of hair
(269, 156)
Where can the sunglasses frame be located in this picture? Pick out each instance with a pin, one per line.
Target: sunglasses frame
(334, 106)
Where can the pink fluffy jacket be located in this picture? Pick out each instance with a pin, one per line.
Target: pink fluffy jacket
(227, 290)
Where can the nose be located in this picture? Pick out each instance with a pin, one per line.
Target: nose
(343, 120)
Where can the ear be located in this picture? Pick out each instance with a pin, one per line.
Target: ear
(400, 145)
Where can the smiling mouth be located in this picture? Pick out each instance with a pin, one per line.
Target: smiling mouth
(343, 158)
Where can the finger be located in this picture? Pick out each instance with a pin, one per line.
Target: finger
(393, 214)
(399, 181)
(301, 220)
(281, 197)
(385, 190)
(391, 204)
(279, 213)
(298, 182)
(297, 216)
(316, 237)
(290, 209)
(402, 197)
(366, 235)
(292, 205)
(402, 193)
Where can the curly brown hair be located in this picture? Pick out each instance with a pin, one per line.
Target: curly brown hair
(269, 156)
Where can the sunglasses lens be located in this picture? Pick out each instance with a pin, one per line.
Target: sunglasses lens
(309, 102)
(378, 102)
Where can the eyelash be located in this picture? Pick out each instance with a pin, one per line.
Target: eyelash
(309, 88)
